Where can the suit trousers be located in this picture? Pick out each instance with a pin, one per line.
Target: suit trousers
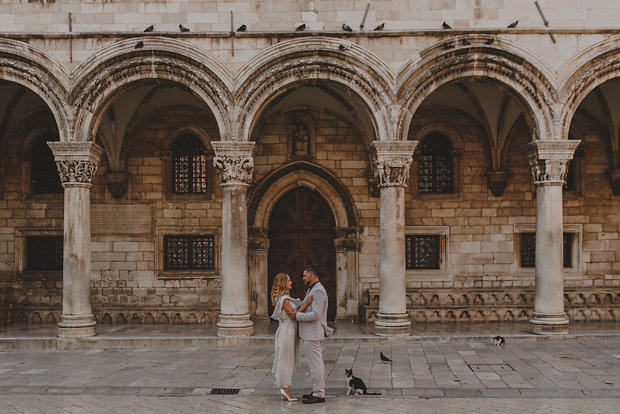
(314, 356)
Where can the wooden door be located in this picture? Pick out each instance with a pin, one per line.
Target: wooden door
(302, 234)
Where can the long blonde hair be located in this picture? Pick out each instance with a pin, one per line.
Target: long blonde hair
(279, 287)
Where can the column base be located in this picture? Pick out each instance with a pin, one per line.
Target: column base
(234, 325)
(71, 326)
(393, 324)
(549, 324)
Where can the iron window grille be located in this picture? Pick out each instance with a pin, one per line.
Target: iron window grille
(435, 165)
(44, 253)
(422, 251)
(44, 177)
(189, 165)
(183, 252)
(528, 250)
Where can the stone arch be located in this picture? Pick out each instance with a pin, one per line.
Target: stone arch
(32, 68)
(301, 174)
(313, 60)
(586, 70)
(107, 73)
(525, 76)
(346, 244)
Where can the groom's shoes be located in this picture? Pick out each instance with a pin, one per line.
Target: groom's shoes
(313, 400)
(306, 396)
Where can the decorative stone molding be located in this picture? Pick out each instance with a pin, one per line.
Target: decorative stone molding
(258, 239)
(234, 162)
(391, 161)
(347, 239)
(117, 183)
(497, 181)
(549, 160)
(77, 162)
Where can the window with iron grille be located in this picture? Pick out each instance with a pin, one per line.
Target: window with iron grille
(189, 165)
(435, 165)
(189, 252)
(44, 177)
(528, 249)
(44, 253)
(422, 251)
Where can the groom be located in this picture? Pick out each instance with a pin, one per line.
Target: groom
(313, 329)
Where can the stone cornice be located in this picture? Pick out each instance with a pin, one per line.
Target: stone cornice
(234, 162)
(391, 161)
(549, 159)
(77, 162)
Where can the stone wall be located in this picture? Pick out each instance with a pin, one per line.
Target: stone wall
(128, 15)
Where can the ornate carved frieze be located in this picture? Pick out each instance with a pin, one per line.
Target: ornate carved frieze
(234, 162)
(391, 161)
(77, 162)
(549, 160)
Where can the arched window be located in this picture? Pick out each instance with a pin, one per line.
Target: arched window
(44, 177)
(436, 167)
(189, 165)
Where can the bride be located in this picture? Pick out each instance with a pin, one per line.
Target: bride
(286, 335)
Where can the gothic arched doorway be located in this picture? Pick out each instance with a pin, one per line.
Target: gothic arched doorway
(302, 233)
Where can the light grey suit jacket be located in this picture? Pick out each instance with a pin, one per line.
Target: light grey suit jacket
(313, 322)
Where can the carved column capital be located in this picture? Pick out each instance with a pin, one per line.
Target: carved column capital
(391, 161)
(347, 238)
(234, 162)
(77, 162)
(549, 160)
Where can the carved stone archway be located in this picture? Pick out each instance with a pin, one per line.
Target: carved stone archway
(34, 69)
(107, 73)
(529, 80)
(347, 243)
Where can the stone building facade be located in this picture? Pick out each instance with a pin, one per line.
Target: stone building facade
(463, 174)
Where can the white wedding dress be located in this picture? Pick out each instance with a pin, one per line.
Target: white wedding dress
(286, 352)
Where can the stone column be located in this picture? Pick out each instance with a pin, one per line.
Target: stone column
(391, 160)
(548, 160)
(235, 165)
(77, 164)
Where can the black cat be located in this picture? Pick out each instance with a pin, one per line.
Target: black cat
(357, 385)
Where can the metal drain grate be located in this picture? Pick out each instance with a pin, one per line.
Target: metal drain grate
(224, 391)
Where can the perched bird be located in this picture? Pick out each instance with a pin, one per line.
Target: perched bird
(346, 27)
(384, 358)
(342, 47)
(140, 45)
(149, 29)
(447, 46)
(446, 26)
(380, 27)
(489, 41)
(466, 42)
(301, 27)
(242, 28)
(183, 28)
(513, 24)
(499, 340)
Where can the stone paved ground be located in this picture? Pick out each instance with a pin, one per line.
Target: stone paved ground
(571, 375)
(95, 404)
